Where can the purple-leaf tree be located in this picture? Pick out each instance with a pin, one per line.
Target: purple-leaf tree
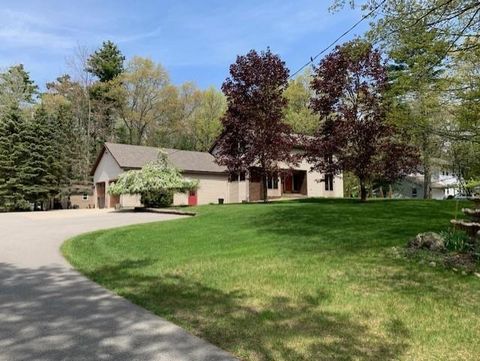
(354, 135)
(254, 133)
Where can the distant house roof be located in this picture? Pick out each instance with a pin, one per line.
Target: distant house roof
(418, 180)
(135, 157)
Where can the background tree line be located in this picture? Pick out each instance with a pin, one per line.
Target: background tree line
(50, 138)
(433, 47)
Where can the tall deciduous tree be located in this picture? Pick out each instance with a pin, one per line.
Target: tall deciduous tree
(144, 84)
(354, 136)
(207, 126)
(457, 20)
(298, 112)
(254, 131)
(417, 55)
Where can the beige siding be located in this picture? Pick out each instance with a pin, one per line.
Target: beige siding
(180, 199)
(130, 200)
(242, 191)
(76, 200)
(316, 188)
(107, 169)
(233, 192)
(211, 187)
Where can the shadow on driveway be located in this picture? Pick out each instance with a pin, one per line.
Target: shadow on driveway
(50, 313)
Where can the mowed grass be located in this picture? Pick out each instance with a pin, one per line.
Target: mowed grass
(299, 280)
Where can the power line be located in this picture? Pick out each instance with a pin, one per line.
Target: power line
(312, 59)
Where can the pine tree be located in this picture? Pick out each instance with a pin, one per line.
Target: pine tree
(13, 153)
(107, 62)
(38, 178)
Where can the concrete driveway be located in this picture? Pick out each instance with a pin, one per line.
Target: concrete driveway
(48, 311)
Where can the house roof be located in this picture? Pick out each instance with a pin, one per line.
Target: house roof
(135, 157)
(418, 180)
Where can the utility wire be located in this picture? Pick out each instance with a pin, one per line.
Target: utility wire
(312, 59)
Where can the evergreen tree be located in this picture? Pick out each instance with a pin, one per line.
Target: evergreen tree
(16, 89)
(39, 180)
(13, 153)
(106, 63)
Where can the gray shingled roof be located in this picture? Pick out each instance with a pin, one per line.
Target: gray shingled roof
(135, 156)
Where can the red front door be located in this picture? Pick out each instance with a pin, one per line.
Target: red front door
(192, 198)
(288, 183)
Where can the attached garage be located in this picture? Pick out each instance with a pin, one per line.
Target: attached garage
(115, 159)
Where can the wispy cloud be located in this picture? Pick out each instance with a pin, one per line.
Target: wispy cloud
(138, 36)
(196, 40)
(19, 29)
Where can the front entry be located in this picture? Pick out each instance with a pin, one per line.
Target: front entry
(192, 198)
(287, 183)
(295, 182)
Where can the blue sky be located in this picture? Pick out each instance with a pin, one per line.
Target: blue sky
(194, 40)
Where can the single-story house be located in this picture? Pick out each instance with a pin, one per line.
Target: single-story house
(215, 182)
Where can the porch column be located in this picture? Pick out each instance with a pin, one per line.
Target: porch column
(95, 195)
(107, 196)
(247, 185)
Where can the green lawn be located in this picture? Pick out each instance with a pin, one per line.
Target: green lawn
(300, 280)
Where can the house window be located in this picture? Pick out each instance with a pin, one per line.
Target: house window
(272, 183)
(329, 182)
(236, 177)
(414, 192)
(85, 196)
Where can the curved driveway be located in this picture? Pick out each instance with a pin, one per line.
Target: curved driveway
(48, 311)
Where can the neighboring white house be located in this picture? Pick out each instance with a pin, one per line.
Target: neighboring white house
(444, 183)
(215, 183)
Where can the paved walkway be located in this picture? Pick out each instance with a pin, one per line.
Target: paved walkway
(48, 311)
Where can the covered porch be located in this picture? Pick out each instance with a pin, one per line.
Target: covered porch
(282, 184)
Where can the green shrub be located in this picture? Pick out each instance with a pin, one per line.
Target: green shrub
(158, 199)
(456, 240)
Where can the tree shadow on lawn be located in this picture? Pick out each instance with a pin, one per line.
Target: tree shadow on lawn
(349, 225)
(362, 233)
(278, 329)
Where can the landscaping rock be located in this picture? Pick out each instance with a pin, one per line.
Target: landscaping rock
(477, 274)
(433, 264)
(428, 240)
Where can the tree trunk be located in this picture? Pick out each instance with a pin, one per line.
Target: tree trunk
(427, 174)
(264, 187)
(390, 191)
(363, 191)
(427, 182)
